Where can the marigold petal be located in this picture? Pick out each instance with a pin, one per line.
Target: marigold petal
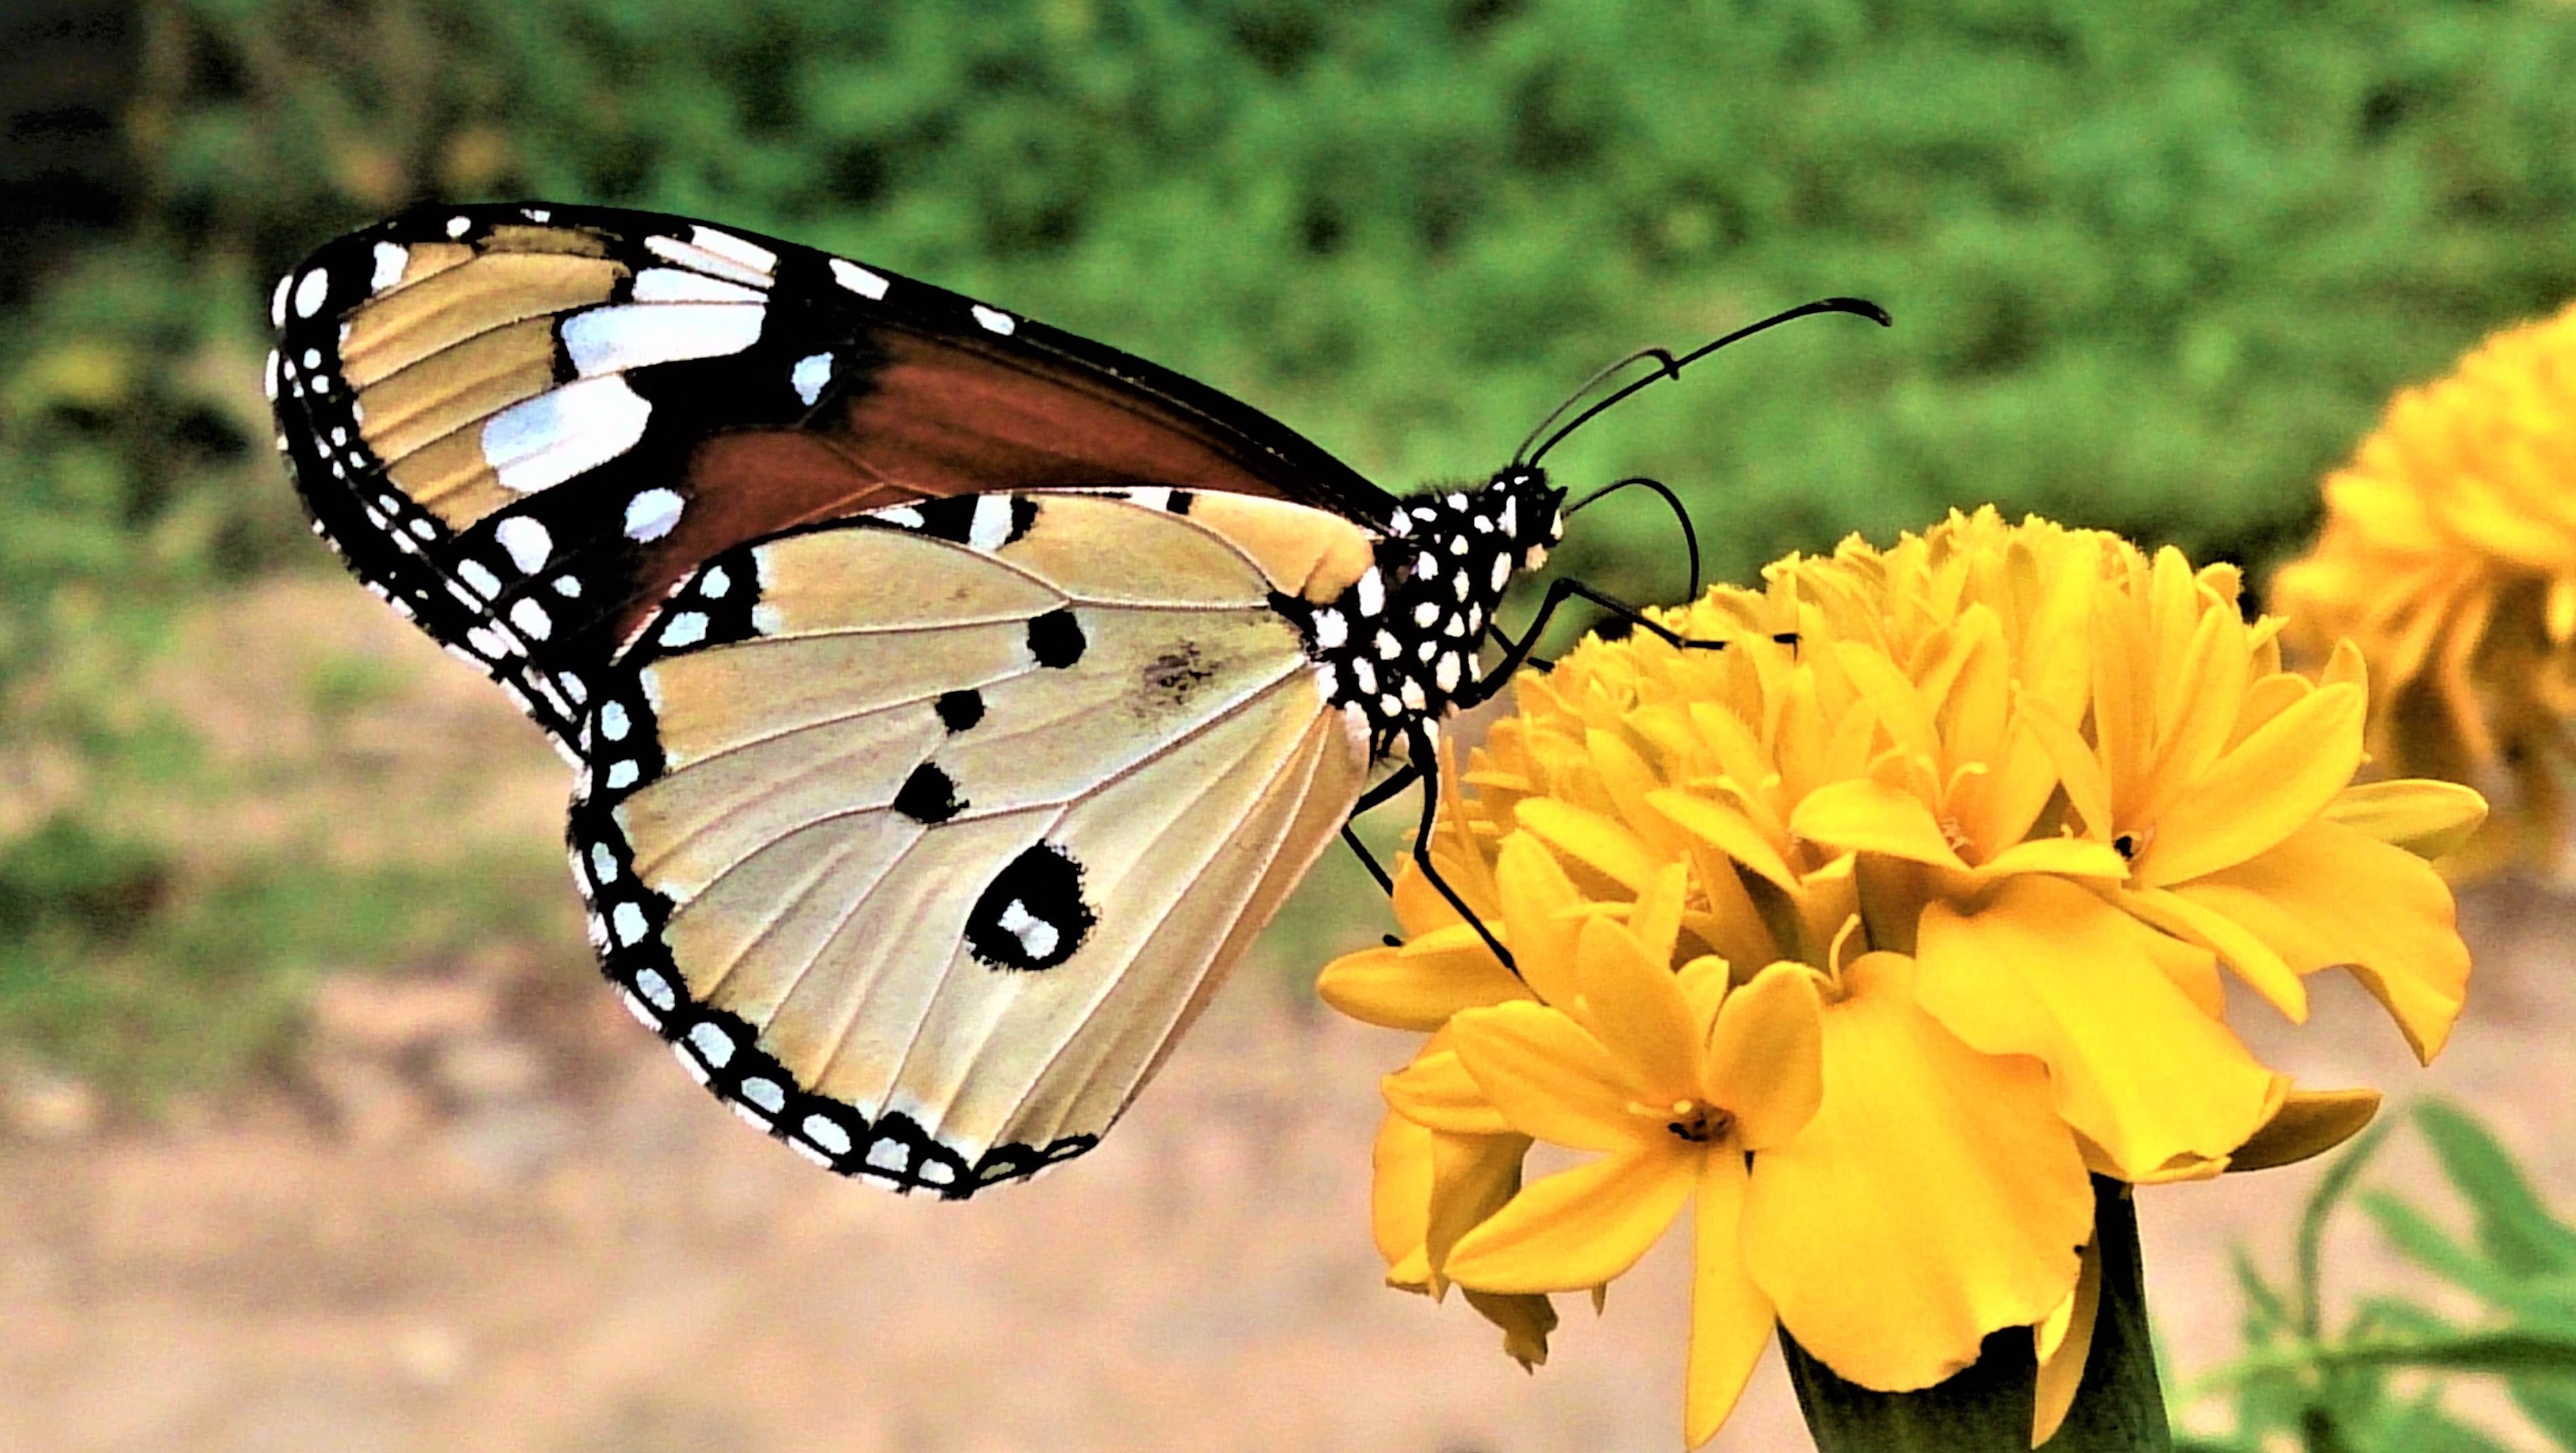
(1934, 1199)
(1730, 1317)
(2309, 1122)
(2330, 896)
(1472, 1176)
(2244, 951)
(1526, 1319)
(1636, 1010)
(1764, 1060)
(2264, 789)
(1578, 1228)
(1726, 829)
(2070, 857)
(1410, 989)
(1656, 919)
(1591, 839)
(2079, 770)
(1400, 1190)
(1872, 817)
(2426, 818)
(1437, 1093)
(1550, 1078)
(1541, 915)
(2064, 1342)
(2047, 969)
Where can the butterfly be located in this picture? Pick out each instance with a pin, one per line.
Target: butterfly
(951, 699)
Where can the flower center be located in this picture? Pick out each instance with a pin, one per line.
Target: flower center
(2130, 844)
(1691, 1120)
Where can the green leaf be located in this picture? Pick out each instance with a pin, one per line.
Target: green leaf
(2331, 1189)
(2415, 1235)
(2550, 1404)
(2512, 1352)
(2513, 1227)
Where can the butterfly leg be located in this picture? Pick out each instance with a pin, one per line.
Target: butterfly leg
(1558, 592)
(1427, 763)
(1403, 778)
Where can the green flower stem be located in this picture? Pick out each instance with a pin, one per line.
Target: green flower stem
(2119, 1406)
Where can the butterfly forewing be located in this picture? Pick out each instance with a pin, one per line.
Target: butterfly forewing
(921, 849)
(523, 425)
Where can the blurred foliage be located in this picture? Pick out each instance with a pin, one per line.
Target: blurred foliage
(2154, 268)
(2375, 1383)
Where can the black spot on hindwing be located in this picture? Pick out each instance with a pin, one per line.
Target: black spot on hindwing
(1056, 639)
(959, 710)
(928, 796)
(1032, 915)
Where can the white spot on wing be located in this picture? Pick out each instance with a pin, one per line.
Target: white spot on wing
(1372, 591)
(527, 541)
(456, 226)
(543, 441)
(678, 285)
(991, 525)
(391, 259)
(475, 573)
(827, 1135)
(651, 514)
(858, 279)
(712, 1044)
(724, 244)
(686, 629)
(1331, 629)
(614, 339)
(531, 618)
(733, 262)
(627, 919)
(613, 721)
(994, 320)
(811, 374)
(655, 989)
(277, 302)
(311, 292)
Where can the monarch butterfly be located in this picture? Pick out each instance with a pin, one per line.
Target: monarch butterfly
(951, 699)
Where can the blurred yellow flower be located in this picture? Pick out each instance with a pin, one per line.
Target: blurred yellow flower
(2004, 797)
(2449, 559)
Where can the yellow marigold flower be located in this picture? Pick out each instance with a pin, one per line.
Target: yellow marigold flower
(2449, 558)
(2005, 797)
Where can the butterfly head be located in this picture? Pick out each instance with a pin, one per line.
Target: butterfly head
(1527, 511)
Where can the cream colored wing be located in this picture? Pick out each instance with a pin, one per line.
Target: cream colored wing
(921, 834)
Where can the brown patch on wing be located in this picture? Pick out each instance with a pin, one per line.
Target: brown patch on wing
(945, 419)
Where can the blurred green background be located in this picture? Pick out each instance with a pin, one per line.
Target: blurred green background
(2154, 268)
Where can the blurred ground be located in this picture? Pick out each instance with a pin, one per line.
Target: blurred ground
(490, 1215)
(478, 1208)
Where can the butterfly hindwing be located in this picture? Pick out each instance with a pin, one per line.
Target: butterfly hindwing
(524, 424)
(921, 837)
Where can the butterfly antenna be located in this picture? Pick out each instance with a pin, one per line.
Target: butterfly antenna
(1660, 355)
(1690, 537)
(1860, 306)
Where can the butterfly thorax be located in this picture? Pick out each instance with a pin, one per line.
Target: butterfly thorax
(1400, 647)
